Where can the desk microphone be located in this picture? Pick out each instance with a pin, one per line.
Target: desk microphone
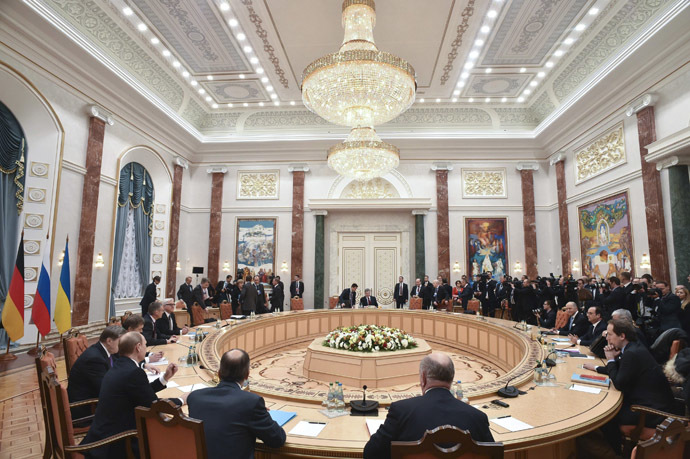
(362, 406)
(510, 391)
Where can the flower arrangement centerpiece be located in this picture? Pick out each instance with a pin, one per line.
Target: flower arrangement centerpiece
(369, 338)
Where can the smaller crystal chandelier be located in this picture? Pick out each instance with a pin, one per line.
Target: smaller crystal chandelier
(99, 261)
(456, 267)
(284, 267)
(226, 266)
(645, 262)
(518, 267)
(177, 266)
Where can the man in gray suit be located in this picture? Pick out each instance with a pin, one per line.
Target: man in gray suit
(248, 298)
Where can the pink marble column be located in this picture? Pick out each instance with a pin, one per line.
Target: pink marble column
(443, 225)
(654, 205)
(87, 224)
(297, 256)
(563, 217)
(215, 223)
(528, 220)
(171, 275)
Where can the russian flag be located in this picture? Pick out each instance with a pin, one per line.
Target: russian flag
(40, 313)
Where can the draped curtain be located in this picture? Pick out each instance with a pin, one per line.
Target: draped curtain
(13, 150)
(135, 202)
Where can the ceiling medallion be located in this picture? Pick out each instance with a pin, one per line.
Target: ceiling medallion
(360, 87)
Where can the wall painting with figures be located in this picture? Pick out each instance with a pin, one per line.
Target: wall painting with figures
(606, 237)
(256, 242)
(487, 246)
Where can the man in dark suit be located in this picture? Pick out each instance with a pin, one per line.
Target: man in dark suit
(428, 293)
(408, 420)
(233, 418)
(547, 318)
(465, 293)
(297, 287)
(577, 323)
(87, 372)
(629, 301)
(202, 293)
(150, 295)
(277, 296)
(224, 290)
(368, 299)
(166, 326)
(438, 294)
(615, 299)
(261, 297)
(418, 289)
(153, 338)
(125, 387)
(668, 307)
(348, 297)
(248, 298)
(400, 293)
(594, 330)
(185, 292)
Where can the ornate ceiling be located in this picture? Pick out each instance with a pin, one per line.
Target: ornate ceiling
(229, 69)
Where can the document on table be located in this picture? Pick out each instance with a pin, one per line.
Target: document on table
(589, 390)
(160, 362)
(308, 428)
(561, 340)
(192, 387)
(374, 424)
(282, 417)
(510, 423)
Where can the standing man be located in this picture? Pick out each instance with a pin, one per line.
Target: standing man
(248, 298)
(438, 294)
(401, 294)
(668, 307)
(185, 292)
(150, 295)
(348, 298)
(418, 289)
(261, 296)
(224, 290)
(202, 295)
(428, 289)
(616, 297)
(296, 287)
(277, 296)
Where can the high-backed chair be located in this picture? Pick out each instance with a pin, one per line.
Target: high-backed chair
(197, 315)
(561, 319)
(474, 306)
(636, 433)
(45, 363)
(669, 442)
(163, 429)
(506, 311)
(73, 344)
(225, 310)
(429, 446)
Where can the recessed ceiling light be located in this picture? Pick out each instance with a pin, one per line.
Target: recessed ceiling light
(193, 83)
(264, 80)
(533, 83)
(474, 54)
(166, 53)
(185, 74)
(558, 53)
(292, 102)
(593, 11)
(421, 101)
(523, 70)
(247, 49)
(541, 74)
(456, 93)
(261, 104)
(224, 6)
(254, 60)
(568, 41)
(155, 40)
(491, 14)
(202, 91)
(229, 105)
(276, 103)
(487, 70)
(527, 91)
(485, 29)
(460, 84)
(241, 75)
(142, 27)
(487, 100)
(504, 99)
(478, 42)
(469, 65)
(580, 27)
(233, 23)
(176, 64)
(549, 64)
(214, 105)
(127, 11)
(464, 75)
(208, 99)
(241, 36)
(274, 96)
(245, 104)
(209, 77)
(454, 99)
(521, 99)
(438, 100)
(259, 70)
(471, 99)
(269, 88)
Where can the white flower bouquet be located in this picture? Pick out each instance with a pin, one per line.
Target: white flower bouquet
(369, 338)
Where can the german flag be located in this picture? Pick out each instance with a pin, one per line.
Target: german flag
(13, 311)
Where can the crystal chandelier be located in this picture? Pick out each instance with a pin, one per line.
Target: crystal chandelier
(360, 87)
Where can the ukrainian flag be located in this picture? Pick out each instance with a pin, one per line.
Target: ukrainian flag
(63, 304)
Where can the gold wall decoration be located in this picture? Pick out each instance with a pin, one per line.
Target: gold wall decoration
(157, 258)
(30, 273)
(36, 194)
(158, 242)
(160, 208)
(28, 300)
(33, 221)
(484, 183)
(39, 169)
(32, 247)
(377, 188)
(156, 273)
(601, 155)
(159, 225)
(258, 184)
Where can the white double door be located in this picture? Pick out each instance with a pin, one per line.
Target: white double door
(371, 260)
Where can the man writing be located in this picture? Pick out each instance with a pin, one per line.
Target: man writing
(367, 299)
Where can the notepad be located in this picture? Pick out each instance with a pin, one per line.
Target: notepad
(238, 317)
(374, 424)
(160, 362)
(192, 387)
(580, 388)
(282, 417)
(308, 428)
(561, 340)
(152, 376)
(597, 380)
(510, 423)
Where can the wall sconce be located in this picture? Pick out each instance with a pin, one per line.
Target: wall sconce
(99, 261)
(645, 263)
(226, 266)
(284, 267)
(62, 258)
(177, 266)
(456, 267)
(576, 265)
(518, 267)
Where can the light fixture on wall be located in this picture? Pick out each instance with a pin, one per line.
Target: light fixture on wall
(284, 267)
(62, 258)
(645, 262)
(456, 267)
(517, 267)
(177, 266)
(226, 266)
(99, 261)
(576, 265)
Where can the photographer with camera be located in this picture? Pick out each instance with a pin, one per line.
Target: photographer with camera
(485, 292)
(546, 317)
(667, 305)
(593, 287)
(527, 299)
(503, 292)
(615, 298)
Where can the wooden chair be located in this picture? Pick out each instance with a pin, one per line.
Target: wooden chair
(506, 311)
(197, 315)
(474, 306)
(163, 429)
(561, 319)
(676, 346)
(73, 344)
(45, 364)
(429, 446)
(668, 442)
(225, 310)
(416, 303)
(636, 433)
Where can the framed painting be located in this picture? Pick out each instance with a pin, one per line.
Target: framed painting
(256, 245)
(486, 242)
(606, 244)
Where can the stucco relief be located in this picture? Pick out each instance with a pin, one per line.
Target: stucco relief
(485, 183)
(258, 184)
(377, 188)
(606, 152)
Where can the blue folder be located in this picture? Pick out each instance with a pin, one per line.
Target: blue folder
(282, 417)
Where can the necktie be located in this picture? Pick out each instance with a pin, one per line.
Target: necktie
(368, 301)
(111, 360)
(170, 321)
(570, 326)
(401, 289)
(352, 298)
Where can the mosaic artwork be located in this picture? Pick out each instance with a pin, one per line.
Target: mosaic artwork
(256, 247)
(487, 246)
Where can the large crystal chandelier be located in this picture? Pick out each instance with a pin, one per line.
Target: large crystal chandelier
(360, 87)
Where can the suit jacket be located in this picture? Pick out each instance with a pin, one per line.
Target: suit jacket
(198, 295)
(233, 420)
(260, 298)
(185, 294)
(405, 294)
(124, 388)
(149, 297)
(86, 376)
(163, 328)
(428, 295)
(407, 420)
(668, 312)
(548, 319)
(372, 301)
(579, 327)
(296, 290)
(593, 333)
(248, 297)
(348, 297)
(438, 295)
(614, 300)
(151, 334)
(223, 295)
(277, 296)
(417, 291)
(465, 295)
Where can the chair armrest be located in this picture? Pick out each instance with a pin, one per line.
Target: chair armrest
(126, 435)
(85, 418)
(644, 410)
(91, 401)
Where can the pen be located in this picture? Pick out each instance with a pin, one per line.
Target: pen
(503, 417)
(316, 422)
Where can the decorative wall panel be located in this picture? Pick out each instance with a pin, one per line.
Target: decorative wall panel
(258, 184)
(39, 169)
(36, 195)
(377, 188)
(32, 247)
(385, 262)
(33, 221)
(605, 153)
(484, 183)
(30, 274)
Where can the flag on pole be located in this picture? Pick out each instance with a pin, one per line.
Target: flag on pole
(40, 313)
(13, 312)
(63, 303)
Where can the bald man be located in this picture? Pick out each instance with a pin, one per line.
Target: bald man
(577, 322)
(407, 420)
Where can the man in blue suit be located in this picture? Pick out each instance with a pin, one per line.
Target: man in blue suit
(233, 418)
(348, 298)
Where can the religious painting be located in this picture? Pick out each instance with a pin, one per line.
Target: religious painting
(606, 237)
(256, 242)
(487, 246)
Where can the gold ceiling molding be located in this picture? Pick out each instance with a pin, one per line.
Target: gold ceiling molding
(460, 33)
(484, 183)
(601, 155)
(377, 188)
(258, 184)
(268, 47)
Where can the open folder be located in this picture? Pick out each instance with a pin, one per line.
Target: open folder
(282, 417)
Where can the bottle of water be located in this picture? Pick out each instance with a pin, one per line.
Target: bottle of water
(459, 394)
(331, 398)
(340, 399)
(189, 357)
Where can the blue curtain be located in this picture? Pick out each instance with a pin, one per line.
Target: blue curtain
(13, 149)
(135, 191)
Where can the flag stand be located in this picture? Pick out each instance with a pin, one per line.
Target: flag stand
(34, 350)
(58, 345)
(6, 357)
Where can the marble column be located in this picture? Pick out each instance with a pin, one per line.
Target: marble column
(319, 259)
(89, 217)
(171, 272)
(297, 257)
(528, 218)
(419, 247)
(443, 225)
(218, 174)
(559, 162)
(679, 187)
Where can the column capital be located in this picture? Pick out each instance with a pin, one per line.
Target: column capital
(527, 166)
(420, 212)
(557, 157)
(180, 161)
(298, 167)
(667, 162)
(97, 112)
(441, 166)
(216, 170)
(644, 101)
(320, 212)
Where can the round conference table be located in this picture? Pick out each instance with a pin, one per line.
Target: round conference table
(557, 415)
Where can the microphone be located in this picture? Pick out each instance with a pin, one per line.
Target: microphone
(510, 391)
(363, 406)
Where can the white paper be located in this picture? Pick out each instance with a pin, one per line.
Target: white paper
(562, 340)
(192, 388)
(374, 424)
(203, 326)
(152, 377)
(589, 390)
(588, 357)
(510, 423)
(172, 384)
(307, 429)
(160, 362)
(567, 343)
